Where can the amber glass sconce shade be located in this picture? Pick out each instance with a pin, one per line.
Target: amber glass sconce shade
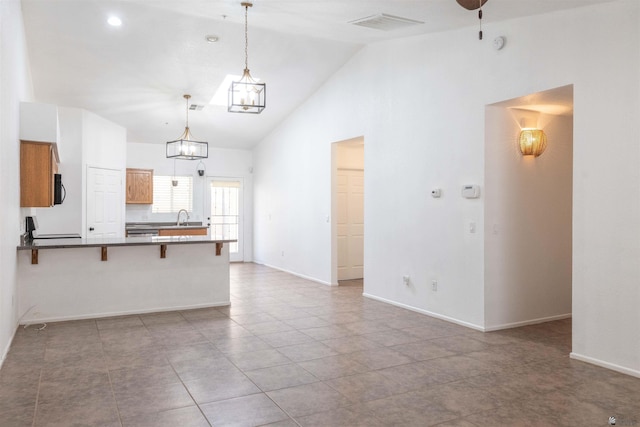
(532, 142)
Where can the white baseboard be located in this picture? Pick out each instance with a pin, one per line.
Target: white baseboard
(8, 346)
(121, 313)
(527, 322)
(603, 364)
(428, 313)
(302, 276)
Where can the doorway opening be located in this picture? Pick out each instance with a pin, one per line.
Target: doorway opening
(224, 212)
(528, 212)
(348, 212)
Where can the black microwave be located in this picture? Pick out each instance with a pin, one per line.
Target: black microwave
(59, 192)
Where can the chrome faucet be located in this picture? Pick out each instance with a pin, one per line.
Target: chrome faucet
(178, 220)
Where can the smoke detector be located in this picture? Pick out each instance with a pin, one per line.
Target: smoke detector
(385, 22)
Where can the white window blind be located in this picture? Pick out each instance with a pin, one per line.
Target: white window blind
(167, 198)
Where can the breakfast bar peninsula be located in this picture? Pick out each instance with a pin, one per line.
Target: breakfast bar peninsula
(64, 279)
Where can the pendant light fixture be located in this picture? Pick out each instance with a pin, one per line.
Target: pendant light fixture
(185, 147)
(247, 95)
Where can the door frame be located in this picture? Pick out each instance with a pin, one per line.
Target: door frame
(334, 206)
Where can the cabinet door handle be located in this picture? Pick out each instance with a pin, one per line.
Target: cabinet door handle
(91, 228)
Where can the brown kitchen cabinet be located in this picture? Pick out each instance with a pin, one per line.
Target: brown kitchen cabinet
(139, 186)
(38, 164)
(183, 232)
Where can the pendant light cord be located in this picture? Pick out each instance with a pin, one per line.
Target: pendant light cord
(246, 36)
(480, 18)
(186, 97)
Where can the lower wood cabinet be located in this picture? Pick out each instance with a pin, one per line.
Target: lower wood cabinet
(185, 232)
(38, 164)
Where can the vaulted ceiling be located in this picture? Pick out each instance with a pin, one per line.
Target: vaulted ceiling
(135, 74)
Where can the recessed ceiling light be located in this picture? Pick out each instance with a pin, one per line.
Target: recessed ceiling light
(114, 21)
(211, 38)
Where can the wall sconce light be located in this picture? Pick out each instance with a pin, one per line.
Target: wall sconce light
(532, 142)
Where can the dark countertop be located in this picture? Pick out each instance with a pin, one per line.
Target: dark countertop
(118, 241)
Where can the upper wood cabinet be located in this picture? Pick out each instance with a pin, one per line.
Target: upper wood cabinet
(38, 164)
(140, 186)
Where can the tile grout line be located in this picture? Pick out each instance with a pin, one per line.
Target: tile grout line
(243, 373)
(35, 409)
(113, 392)
(182, 381)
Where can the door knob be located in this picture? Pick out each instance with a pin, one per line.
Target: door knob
(91, 228)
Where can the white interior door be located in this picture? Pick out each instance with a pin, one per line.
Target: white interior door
(224, 213)
(350, 224)
(104, 203)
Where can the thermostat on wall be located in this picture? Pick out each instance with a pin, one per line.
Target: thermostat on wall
(470, 191)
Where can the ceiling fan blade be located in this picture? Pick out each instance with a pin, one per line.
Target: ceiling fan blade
(471, 4)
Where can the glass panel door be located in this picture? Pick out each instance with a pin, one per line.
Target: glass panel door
(225, 213)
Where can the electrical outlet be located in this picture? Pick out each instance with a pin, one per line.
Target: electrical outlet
(434, 285)
(406, 280)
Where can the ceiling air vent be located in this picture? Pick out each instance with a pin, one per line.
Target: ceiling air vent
(385, 22)
(196, 107)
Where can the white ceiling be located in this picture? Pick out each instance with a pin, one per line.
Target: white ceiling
(135, 75)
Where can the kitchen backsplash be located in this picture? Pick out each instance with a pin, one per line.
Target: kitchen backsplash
(142, 213)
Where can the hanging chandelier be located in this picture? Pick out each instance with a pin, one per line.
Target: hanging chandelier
(247, 95)
(185, 147)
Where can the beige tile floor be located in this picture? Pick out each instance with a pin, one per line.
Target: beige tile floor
(291, 352)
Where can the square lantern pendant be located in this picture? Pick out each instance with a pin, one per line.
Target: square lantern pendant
(185, 147)
(247, 96)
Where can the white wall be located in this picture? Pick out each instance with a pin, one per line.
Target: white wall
(67, 217)
(104, 142)
(104, 145)
(419, 103)
(527, 220)
(15, 86)
(88, 140)
(220, 163)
